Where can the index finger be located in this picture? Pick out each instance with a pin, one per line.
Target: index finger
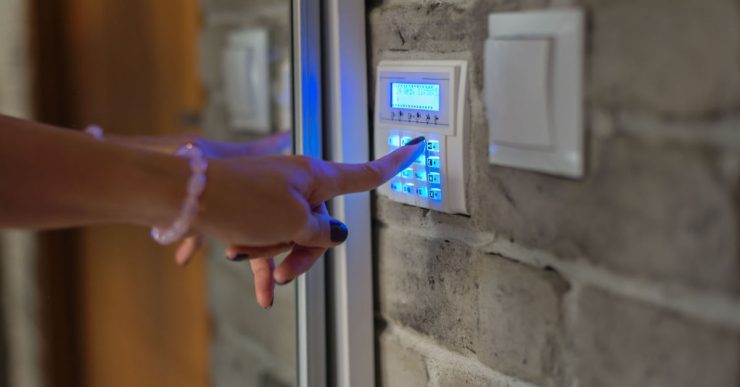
(348, 178)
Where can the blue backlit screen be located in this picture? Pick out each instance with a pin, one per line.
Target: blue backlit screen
(417, 96)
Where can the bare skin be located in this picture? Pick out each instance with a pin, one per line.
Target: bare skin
(262, 205)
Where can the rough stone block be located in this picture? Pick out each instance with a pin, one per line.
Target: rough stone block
(649, 209)
(678, 57)
(233, 307)
(274, 16)
(520, 324)
(429, 285)
(212, 45)
(407, 216)
(621, 343)
(237, 362)
(399, 366)
(244, 7)
(451, 377)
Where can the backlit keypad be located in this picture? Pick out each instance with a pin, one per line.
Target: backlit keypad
(423, 179)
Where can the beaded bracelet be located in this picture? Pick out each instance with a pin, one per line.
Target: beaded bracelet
(196, 186)
(95, 131)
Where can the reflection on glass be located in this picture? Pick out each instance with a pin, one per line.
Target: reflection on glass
(251, 346)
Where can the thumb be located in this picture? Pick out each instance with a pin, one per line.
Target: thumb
(323, 231)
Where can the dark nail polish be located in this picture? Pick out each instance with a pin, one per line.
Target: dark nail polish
(241, 257)
(416, 141)
(339, 231)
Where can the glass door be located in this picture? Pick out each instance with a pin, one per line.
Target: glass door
(248, 72)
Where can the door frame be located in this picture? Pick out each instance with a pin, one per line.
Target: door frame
(347, 128)
(336, 345)
(308, 140)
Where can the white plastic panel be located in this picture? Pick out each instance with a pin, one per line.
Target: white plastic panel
(519, 92)
(247, 80)
(533, 90)
(425, 98)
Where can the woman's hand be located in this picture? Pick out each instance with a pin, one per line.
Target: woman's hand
(213, 149)
(267, 205)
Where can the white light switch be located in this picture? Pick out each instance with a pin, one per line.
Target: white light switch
(247, 80)
(518, 88)
(533, 84)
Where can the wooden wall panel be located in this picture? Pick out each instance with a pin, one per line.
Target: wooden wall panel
(130, 66)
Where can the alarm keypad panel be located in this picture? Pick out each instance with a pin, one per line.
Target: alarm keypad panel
(424, 98)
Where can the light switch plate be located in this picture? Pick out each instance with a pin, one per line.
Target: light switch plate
(533, 83)
(425, 98)
(247, 80)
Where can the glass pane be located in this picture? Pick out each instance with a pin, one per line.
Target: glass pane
(247, 57)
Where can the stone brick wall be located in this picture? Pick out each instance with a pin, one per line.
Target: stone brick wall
(628, 277)
(251, 346)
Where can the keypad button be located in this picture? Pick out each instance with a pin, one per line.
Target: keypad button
(394, 140)
(421, 160)
(409, 188)
(433, 146)
(433, 162)
(396, 186)
(434, 178)
(407, 173)
(435, 194)
(420, 175)
(421, 192)
(405, 140)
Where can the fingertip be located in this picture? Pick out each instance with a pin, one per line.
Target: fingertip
(416, 141)
(338, 231)
(183, 254)
(265, 301)
(281, 277)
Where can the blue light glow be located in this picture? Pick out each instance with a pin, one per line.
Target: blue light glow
(433, 162)
(433, 146)
(421, 191)
(421, 175)
(408, 188)
(394, 140)
(435, 178)
(417, 96)
(435, 194)
(396, 186)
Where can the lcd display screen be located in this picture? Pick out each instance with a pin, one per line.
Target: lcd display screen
(416, 96)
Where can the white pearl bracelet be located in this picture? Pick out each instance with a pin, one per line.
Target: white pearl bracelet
(196, 186)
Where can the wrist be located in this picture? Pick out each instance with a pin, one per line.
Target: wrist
(163, 188)
(196, 184)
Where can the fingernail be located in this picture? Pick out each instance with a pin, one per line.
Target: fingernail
(339, 231)
(271, 302)
(416, 141)
(239, 257)
(283, 283)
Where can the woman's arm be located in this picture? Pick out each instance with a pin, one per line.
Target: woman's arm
(53, 178)
(260, 204)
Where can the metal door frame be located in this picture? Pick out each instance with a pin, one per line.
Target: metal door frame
(335, 331)
(308, 139)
